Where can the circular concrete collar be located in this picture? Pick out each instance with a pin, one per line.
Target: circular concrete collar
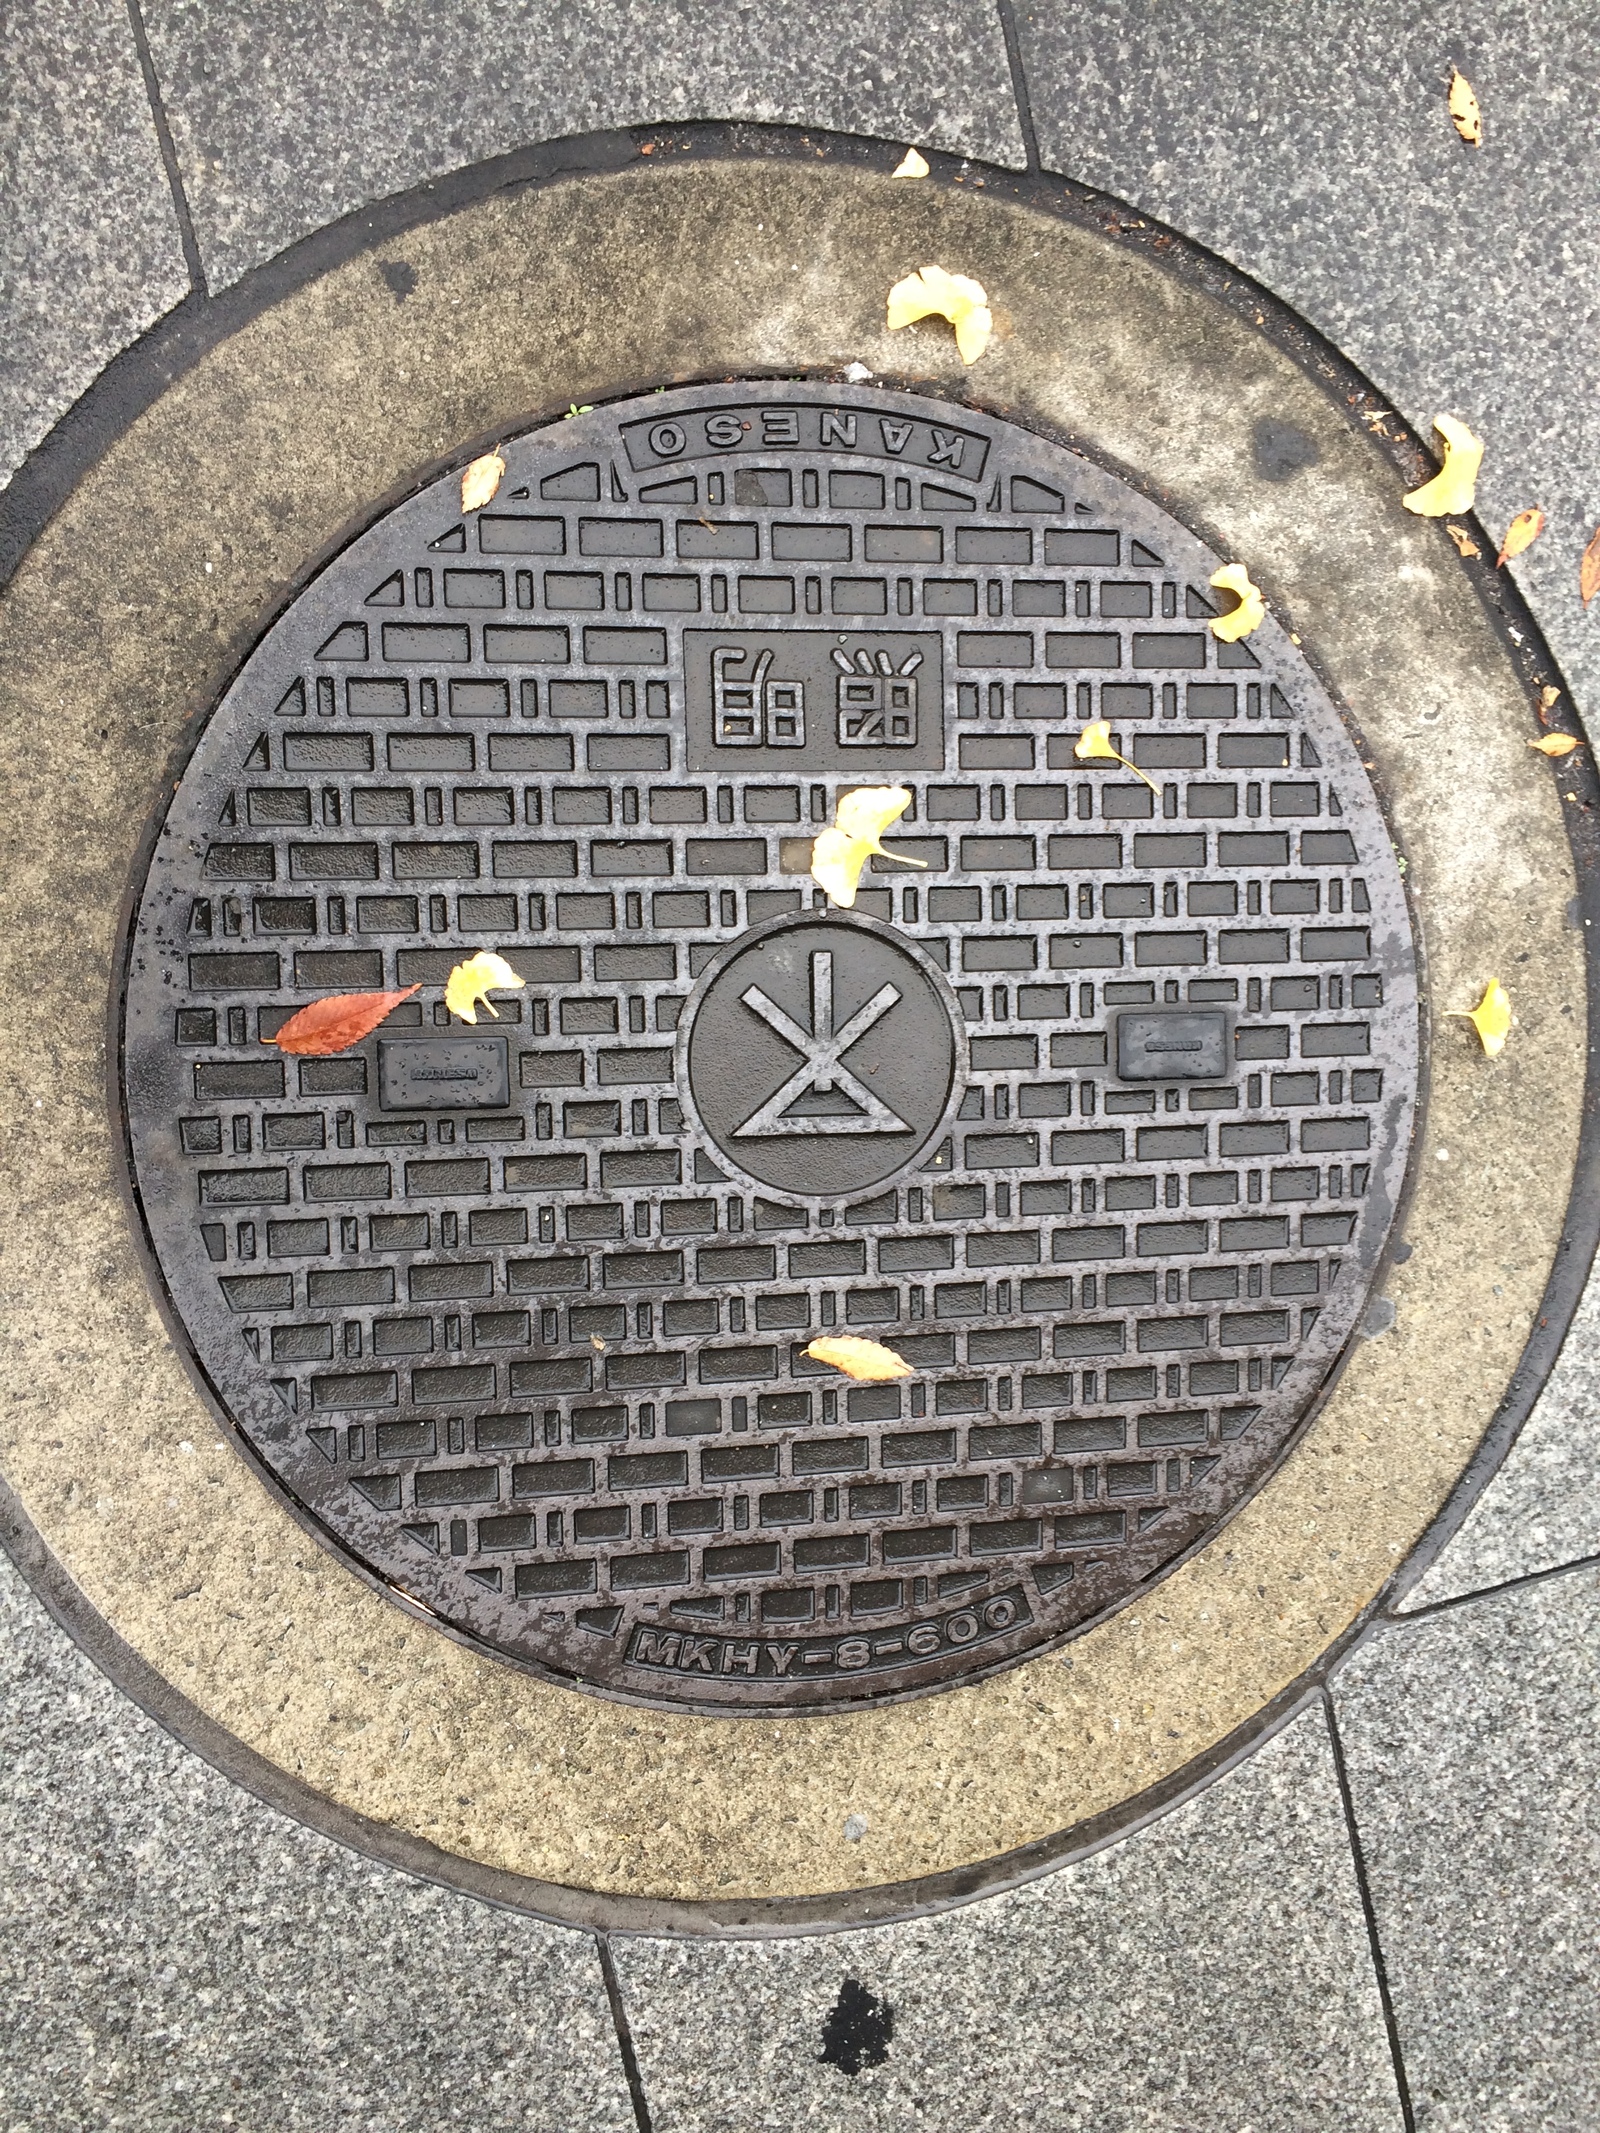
(123, 625)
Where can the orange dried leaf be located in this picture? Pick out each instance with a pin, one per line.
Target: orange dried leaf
(1589, 569)
(1465, 110)
(338, 1022)
(1557, 744)
(1454, 487)
(1522, 532)
(481, 480)
(1491, 1018)
(857, 1358)
(1466, 546)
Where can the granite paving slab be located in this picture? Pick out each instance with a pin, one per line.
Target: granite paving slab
(1210, 1974)
(343, 104)
(1308, 142)
(1541, 1510)
(172, 1953)
(1470, 1743)
(90, 253)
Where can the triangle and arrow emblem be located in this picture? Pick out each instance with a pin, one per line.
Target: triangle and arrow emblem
(823, 1095)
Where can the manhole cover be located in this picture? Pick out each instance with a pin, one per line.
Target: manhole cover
(1099, 1119)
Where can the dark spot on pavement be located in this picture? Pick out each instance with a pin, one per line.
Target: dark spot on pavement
(1282, 450)
(400, 278)
(858, 2030)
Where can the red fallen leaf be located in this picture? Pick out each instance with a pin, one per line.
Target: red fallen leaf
(339, 1021)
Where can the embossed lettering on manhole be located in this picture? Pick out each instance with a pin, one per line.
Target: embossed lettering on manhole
(1099, 1119)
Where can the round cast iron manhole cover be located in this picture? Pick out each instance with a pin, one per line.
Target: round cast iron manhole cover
(1099, 1119)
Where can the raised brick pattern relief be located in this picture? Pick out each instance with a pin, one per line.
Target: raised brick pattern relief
(519, 1311)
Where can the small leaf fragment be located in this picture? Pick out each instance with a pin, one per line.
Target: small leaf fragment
(868, 1360)
(1491, 1018)
(931, 292)
(910, 165)
(1093, 745)
(472, 981)
(1466, 546)
(1557, 744)
(337, 1022)
(1455, 485)
(1464, 109)
(859, 821)
(1549, 697)
(1522, 532)
(1251, 611)
(1589, 569)
(481, 480)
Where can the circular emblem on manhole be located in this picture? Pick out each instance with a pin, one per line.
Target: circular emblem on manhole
(821, 1056)
(1098, 1117)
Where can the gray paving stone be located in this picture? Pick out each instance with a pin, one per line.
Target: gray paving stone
(1210, 1975)
(174, 1954)
(1472, 1742)
(1308, 142)
(89, 248)
(1542, 1509)
(280, 130)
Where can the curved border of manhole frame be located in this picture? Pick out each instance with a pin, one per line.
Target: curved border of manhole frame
(136, 379)
(373, 515)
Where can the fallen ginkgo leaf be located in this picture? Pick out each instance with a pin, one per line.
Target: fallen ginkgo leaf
(1093, 745)
(931, 292)
(1465, 545)
(1522, 532)
(471, 982)
(858, 1358)
(859, 821)
(1589, 569)
(481, 480)
(1491, 1018)
(1455, 485)
(910, 165)
(335, 1023)
(1464, 109)
(1557, 744)
(1251, 611)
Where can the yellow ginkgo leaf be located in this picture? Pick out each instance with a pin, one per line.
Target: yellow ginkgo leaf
(1251, 611)
(931, 292)
(1522, 532)
(910, 165)
(481, 480)
(1455, 485)
(1093, 745)
(858, 1358)
(859, 821)
(1557, 744)
(1491, 1018)
(1464, 109)
(472, 981)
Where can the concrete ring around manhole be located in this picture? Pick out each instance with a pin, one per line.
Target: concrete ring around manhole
(427, 1430)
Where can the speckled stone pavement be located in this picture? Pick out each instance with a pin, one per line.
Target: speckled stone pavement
(1382, 1915)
